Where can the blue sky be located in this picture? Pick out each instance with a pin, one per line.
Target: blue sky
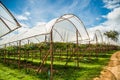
(103, 15)
(30, 12)
(95, 14)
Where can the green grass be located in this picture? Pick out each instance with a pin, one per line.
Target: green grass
(11, 73)
(87, 71)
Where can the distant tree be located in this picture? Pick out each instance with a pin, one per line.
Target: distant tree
(112, 35)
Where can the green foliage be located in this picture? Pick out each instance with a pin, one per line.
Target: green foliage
(63, 46)
(30, 46)
(12, 48)
(112, 34)
(2, 49)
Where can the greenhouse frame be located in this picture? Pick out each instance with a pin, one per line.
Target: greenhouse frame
(67, 29)
(62, 39)
(8, 23)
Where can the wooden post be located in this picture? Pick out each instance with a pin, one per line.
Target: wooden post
(19, 50)
(67, 51)
(51, 55)
(8, 55)
(96, 49)
(40, 50)
(5, 54)
(27, 55)
(77, 48)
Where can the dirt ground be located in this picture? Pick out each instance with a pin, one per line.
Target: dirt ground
(112, 70)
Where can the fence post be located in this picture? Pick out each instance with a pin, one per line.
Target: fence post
(19, 44)
(5, 54)
(77, 48)
(51, 55)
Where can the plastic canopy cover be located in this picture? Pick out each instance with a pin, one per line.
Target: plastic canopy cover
(8, 23)
(64, 30)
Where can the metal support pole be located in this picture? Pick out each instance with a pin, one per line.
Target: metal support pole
(51, 54)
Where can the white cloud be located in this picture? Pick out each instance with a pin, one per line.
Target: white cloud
(27, 13)
(115, 14)
(44, 10)
(97, 18)
(24, 16)
(103, 16)
(21, 17)
(111, 4)
(112, 23)
(113, 19)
